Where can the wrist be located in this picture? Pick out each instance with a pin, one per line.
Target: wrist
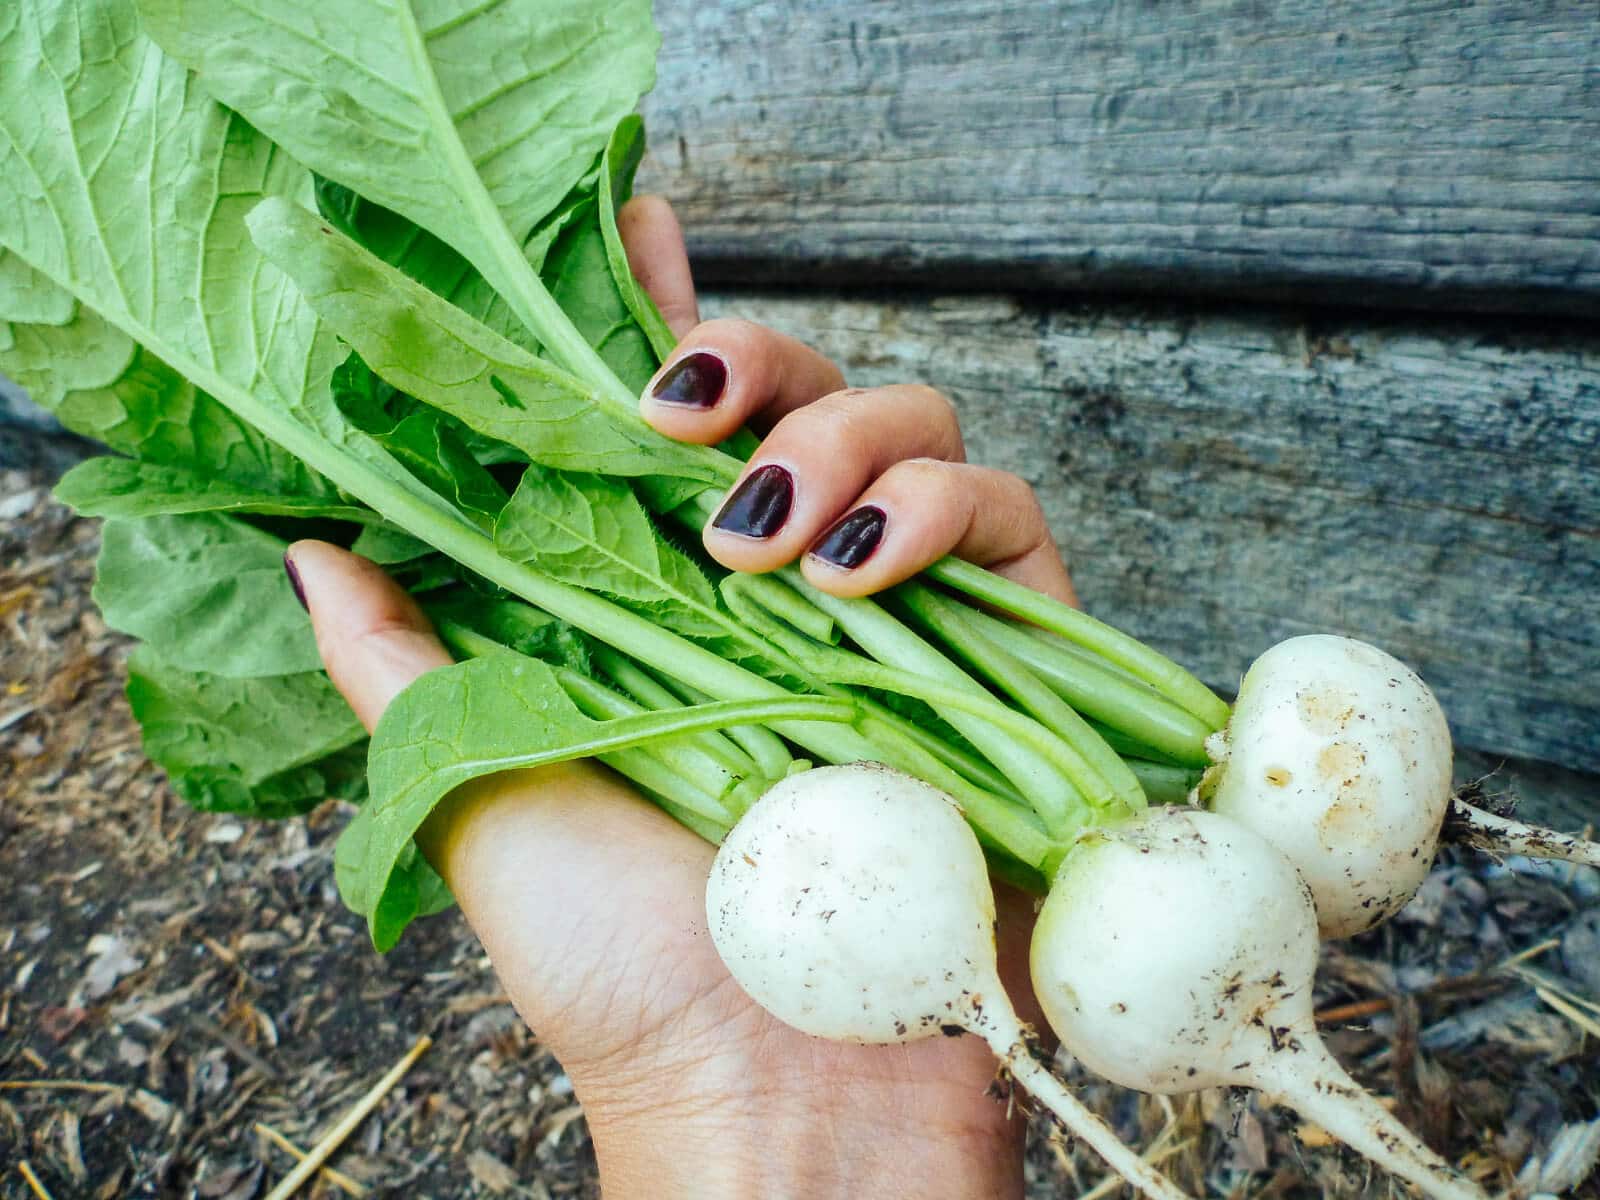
(702, 1132)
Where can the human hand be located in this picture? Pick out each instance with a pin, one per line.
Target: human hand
(590, 901)
(865, 486)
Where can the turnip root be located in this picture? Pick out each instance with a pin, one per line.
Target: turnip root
(1176, 951)
(1493, 834)
(854, 903)
(1338, 754)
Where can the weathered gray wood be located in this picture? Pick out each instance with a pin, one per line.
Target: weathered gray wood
(1221, 481)
(1396, 151)
(31, 439)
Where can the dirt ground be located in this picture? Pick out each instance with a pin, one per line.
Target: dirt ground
(173, 983)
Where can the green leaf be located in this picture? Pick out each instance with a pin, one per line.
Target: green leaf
(413, 889)
(408, 247)
(125, 487)
(477, 718)
(432, 350)
(581, 269)
(208, 592)
(28, 297)
(622, 156)
(100, 383)
(376, 407)
(438, 457)
(107, 108)
(169, 263)
(473, 123)
(520, 627)
(577, 249)
(386, 545)
(268, 747)
(593, 533)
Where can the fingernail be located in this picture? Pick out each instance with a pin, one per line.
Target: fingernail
(852, 539)
(760, 505)
(694, 381)
(293, 573)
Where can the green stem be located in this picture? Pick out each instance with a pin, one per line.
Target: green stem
(765, 748)
(648, 691)
(1159, 671)
(1129, 747)
(975, 769)
(1001, 820)
(1099, 774)
(1040, 765)
(1104, 693)
(1163, 783)
(685, 772)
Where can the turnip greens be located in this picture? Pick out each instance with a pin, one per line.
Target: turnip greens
(354, 272)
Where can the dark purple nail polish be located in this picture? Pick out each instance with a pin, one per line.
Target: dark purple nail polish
(694, 381)
(853, 538)
(293, 573)
(760, 505)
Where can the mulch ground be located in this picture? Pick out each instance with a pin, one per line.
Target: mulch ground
(174, 985)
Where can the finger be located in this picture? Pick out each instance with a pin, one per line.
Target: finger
(918, 511)
(727, 372)
(815, 463)
(653, 242)
(373, 638)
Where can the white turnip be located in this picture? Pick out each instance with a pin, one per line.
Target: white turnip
(1338, 754)
(1176, 951)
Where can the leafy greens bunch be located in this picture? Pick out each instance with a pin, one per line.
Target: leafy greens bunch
(353, 271)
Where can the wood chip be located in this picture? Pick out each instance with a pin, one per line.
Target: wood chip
(151, 1106)
(39, 1190)
(335, 1137)
(72, 1148)
(491, 1172)
(338, 1178)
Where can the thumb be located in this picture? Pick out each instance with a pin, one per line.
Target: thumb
(373, 637)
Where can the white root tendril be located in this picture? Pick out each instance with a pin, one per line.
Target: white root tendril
(1078, 1120)
(1317, 1087)
(1470, 826)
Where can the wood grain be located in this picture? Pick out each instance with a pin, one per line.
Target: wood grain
(1403, 152)
(1225, 479)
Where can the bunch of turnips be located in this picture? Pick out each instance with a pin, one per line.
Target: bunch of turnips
(1176, 947)
(219, 257)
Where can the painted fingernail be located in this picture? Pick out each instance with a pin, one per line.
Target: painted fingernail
(694, 381)
(852, 539)
(760, 505)
(293, 573)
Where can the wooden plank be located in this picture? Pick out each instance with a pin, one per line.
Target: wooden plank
(1404, 152)
(1223, 480)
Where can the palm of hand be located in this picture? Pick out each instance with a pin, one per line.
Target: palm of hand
(624, 985)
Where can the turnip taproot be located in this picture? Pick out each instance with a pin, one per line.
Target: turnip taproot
(1176, 952)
